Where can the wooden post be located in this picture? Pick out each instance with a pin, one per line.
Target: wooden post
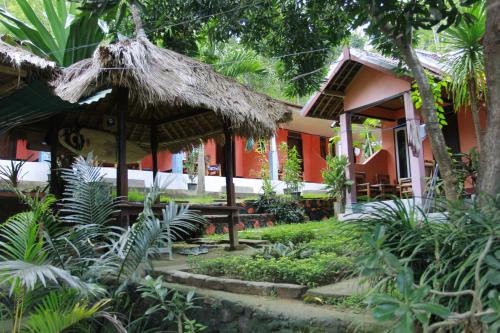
(154, 149)
(53, 140)
(122, 171)
(347, 150)
(54, 145)
(231, 197)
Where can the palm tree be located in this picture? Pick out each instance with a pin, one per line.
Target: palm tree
(230, 59)
(465, 63)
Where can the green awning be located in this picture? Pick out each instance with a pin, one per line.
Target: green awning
(33, 102)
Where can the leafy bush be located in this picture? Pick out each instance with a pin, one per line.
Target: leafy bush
(316, 270)
(433, 275)
(284, 210)
(334, 176)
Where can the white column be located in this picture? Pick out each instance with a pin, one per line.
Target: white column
(416, 153)
(177, 162)
(273, 159)
(347, 150)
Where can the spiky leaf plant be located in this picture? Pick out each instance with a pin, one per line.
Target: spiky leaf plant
(143, 240)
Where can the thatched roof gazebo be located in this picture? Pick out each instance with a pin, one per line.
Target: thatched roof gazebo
(161, 99)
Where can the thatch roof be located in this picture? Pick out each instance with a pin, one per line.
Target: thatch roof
(184, 98)
(18, 65)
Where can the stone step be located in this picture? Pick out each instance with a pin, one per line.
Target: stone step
(283, 290)
(223, 311)
(341, 289)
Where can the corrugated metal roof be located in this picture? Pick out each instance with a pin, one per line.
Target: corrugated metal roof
(33, 102)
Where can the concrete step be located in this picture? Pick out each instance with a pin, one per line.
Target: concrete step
(344, 288)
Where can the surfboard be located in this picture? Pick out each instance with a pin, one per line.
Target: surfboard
(101, 144)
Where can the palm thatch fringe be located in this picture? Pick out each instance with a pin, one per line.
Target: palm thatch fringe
(24, 61)
(164, 85)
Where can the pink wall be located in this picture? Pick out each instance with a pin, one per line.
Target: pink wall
(370, 86)
(375, 165)
(466, 129)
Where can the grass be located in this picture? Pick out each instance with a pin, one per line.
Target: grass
(136, 196)
(330, 246)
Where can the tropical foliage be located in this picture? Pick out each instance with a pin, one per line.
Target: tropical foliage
(68, 34)
(68, 270)
(465, 62)
(430, 275)
(334, 177)
(292, 168)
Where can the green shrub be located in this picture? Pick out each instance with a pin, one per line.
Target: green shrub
(319, 269)
(284, 209)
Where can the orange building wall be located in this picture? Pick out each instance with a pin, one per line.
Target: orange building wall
(211, 152)
(22, 153)
(313, 162)
(164, 161)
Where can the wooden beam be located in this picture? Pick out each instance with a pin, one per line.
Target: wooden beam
(231, 196)
(333, 93)
(154, 149)
(121, 171)
(12, 71)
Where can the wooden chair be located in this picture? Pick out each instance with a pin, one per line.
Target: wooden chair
(362, 187)
(405, 188)
(383, 186)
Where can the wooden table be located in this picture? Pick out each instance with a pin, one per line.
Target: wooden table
(133, 209)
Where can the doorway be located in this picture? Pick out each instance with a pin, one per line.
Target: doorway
(402, 153)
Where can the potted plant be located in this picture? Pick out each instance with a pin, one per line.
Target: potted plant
(192, 168)
(292, 171)
(334, 177)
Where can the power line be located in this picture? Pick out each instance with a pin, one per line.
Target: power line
(165, 27)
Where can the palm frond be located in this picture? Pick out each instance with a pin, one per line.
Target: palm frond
(87, 199)
(60, 311)
(143, 240)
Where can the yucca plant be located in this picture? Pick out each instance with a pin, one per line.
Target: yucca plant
(11, 174)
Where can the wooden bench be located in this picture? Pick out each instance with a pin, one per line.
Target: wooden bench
(228, 215)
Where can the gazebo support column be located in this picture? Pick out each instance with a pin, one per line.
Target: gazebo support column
(54, 143)
(231, 197)
(347, 150)
(122, 171)
(154, 149)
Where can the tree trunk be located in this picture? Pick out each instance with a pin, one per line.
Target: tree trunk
(136, 17)
(431, 120)
(201, 169)
(474, 108)
(489, 169)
